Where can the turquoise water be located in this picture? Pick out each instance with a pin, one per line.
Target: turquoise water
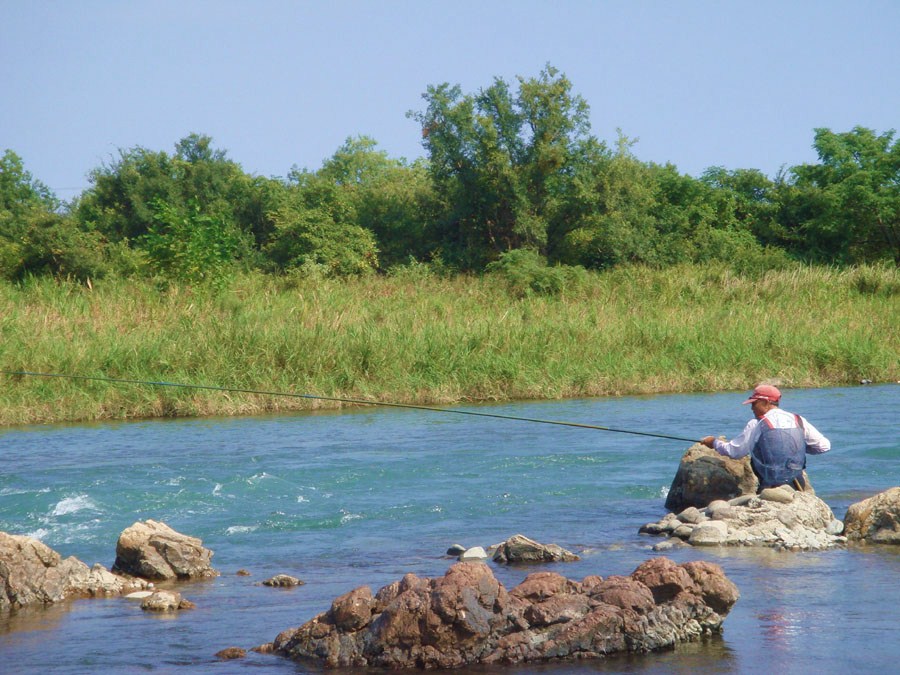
(363, 497)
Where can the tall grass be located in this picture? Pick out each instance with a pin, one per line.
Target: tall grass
(433, 340)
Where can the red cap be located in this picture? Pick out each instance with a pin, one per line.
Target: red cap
(765, 392)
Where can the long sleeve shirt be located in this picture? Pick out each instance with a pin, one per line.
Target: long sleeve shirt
(744, 443)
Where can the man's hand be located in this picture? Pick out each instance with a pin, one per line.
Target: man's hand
(708, 442)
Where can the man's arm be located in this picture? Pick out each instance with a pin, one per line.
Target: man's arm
(740, 445)
(816, 443)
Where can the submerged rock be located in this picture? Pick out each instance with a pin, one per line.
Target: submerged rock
(875, 520)
(230, 653)
(778, 517)
(283, 580)
(467, 617)
(519, 549)
(33, 573)
(153, 550)
(165, 601)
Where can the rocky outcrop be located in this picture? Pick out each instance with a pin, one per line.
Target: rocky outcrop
(777, 517)
(521, 549)
(33, 573)
(153, 550)
(467, 617)
(875, 520)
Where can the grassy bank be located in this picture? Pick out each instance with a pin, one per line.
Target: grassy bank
(419, 338)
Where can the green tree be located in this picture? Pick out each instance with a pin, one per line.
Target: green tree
(501, 161)
(846, 208)
(35, 237)
(191, 246)
(316, 226)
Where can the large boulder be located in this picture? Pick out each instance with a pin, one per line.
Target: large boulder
(778, 517)
(33, 573)
(520, 549)
(467, 617)
(705, 476)
(153, 550)
(875, 520)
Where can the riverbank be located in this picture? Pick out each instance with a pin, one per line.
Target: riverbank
(421, 338)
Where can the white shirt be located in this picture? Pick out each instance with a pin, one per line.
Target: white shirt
(742, 444)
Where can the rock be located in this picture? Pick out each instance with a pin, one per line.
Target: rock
(165, 601)
(691, 515)
(33, 573)
(670, 544)
(139, 595)
(520, 548)
(230, 653)
(875, 520)
(153, 550)
(778, 517)
(467, 617)
(283, 580)
(456, 550)
(242, 573)
(267, 648)
(782, 494)
(474, 553)
(711, 533)
(704, 476)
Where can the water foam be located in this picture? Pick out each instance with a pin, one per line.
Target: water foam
(75, 504)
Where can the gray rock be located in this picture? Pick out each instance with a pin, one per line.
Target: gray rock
(691, 515)
(32, 573)
(704, 476)
(153, 550)
(164, 601)
(519, 548)
(782, 494)
(875, 520)
(283, 580)
(474, 553)
(711, 533)
(456, 550)
(670, 544)
(804, 522)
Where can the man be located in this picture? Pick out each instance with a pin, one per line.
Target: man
(776, 440)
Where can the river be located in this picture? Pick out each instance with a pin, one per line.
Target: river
(361, 497)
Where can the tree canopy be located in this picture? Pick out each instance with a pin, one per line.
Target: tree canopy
(507, 168)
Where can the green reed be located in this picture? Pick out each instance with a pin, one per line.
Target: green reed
(428, 339)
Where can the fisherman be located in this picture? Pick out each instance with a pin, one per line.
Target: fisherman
(776, 440)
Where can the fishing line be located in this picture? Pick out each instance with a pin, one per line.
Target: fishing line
(355, 401)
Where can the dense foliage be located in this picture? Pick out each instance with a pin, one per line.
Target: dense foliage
(513, 183)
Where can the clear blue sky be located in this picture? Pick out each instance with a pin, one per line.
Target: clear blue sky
(279, 83)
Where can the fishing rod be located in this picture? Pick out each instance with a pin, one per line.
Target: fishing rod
(355, 401)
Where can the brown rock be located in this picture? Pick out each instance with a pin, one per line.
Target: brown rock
(664, 578)
(153, 550)
(467, 617)
(875, 520)
(231, 653)
(353, 610)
